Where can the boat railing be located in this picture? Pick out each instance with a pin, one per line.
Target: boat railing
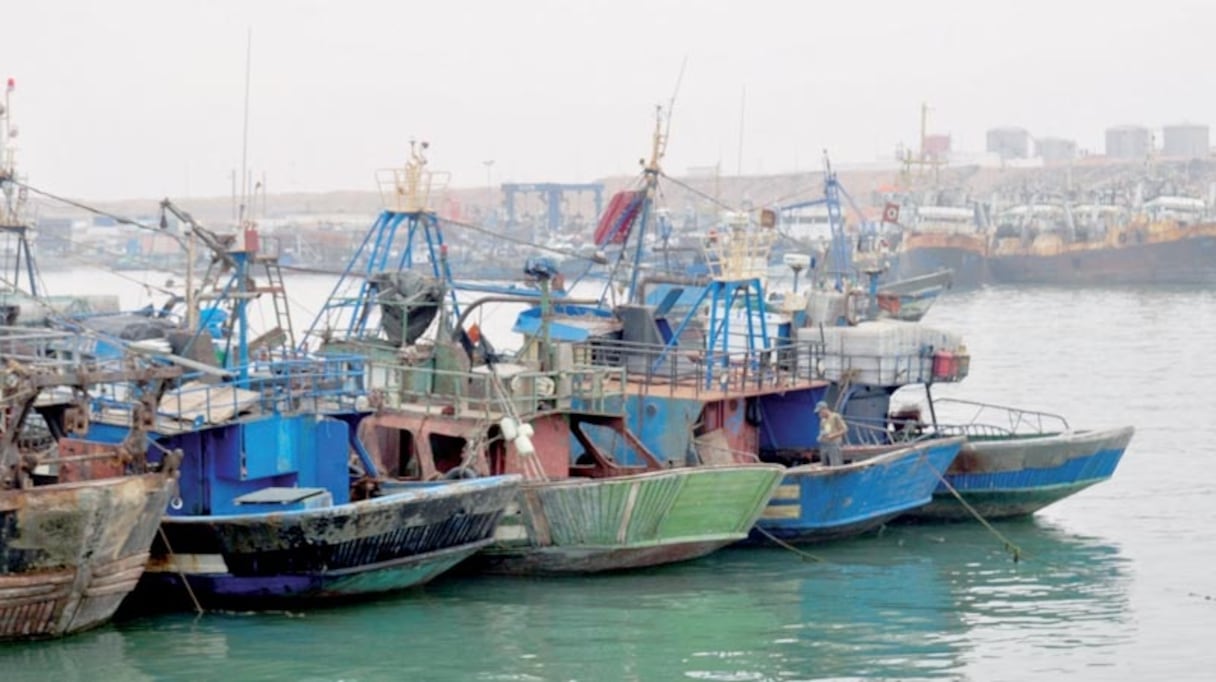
(54, 351)
(678, 369)
(987, 421)
(996, 420)
(275, 383)
(484, 390)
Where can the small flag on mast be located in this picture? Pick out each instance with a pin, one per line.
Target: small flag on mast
(12, 83)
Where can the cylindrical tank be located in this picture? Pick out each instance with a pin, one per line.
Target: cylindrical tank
(1128, 142)
(1185, 141)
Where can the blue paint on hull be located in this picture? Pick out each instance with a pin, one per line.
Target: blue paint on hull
(1006, 494)
(816, 503)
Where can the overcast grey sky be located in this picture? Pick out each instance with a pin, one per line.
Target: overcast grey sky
(141, 98)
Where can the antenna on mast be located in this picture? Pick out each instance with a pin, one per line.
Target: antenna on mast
(245, 130)
(671, 104)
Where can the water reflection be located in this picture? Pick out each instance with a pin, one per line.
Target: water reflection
(914, 602)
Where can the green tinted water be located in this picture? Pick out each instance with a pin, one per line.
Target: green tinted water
(915, 601)
(1117, 582)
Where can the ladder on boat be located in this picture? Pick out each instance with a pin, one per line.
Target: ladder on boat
(282, 308)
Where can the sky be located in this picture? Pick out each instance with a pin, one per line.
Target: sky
(120, 99)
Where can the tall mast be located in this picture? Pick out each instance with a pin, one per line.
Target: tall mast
(245, 129)
(651, 170)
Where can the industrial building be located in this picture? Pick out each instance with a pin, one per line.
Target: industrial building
(1009, 143)
(1185, 141)
(1128, 142)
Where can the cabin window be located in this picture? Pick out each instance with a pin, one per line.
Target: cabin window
(448, 451)
(398, 452)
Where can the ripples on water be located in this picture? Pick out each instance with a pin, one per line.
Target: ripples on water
(1116, 583)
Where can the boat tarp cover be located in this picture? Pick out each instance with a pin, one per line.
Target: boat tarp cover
(408, 303)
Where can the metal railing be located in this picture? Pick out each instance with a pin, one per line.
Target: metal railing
(986, 421)
(276, 383)
(703, 371)
(482, 391)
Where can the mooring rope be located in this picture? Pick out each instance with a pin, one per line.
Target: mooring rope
(806, 556)
(1010, 545)
(198, 608)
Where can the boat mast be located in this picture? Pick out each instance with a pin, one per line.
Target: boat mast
(651, 171)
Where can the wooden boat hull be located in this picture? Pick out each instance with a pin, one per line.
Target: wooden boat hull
(626, 522)
(70, 553)
(815, 503)
(1019, 476)
(396, 541)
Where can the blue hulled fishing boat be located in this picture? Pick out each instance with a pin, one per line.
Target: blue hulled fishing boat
(269, 512)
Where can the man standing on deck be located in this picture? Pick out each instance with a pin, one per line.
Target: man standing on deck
(831, 434)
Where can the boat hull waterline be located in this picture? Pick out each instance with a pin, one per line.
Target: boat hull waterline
(816, 503)
(393, 542)
(627, 522)
(1019, 476)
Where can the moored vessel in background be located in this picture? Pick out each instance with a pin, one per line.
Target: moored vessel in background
(944, 238)
(1170, 240)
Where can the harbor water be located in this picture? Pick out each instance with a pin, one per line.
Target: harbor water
(1116, 583)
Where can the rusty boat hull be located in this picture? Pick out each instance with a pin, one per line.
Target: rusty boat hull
(1183, 256)
(964, 255)
(70, 553)
(628, 522)
(1006, 477)
(324, 555)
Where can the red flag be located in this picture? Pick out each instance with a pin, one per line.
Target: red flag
(12, 83)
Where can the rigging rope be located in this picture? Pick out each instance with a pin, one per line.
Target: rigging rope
(517, 240)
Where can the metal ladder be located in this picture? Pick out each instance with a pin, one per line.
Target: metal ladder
(278, 298)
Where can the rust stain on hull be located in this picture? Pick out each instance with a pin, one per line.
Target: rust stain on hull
(70, 553)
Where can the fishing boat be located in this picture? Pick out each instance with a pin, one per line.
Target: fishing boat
(874, 485)
(449, 406)
(269, 514)
(579, 510)
(1169, 240)
(944, 237)
(722, 379)
(1015, 462)
(77, 518)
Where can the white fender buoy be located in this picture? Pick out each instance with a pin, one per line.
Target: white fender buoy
(510, 428)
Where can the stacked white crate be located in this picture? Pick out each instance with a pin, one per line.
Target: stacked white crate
(881, 352)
